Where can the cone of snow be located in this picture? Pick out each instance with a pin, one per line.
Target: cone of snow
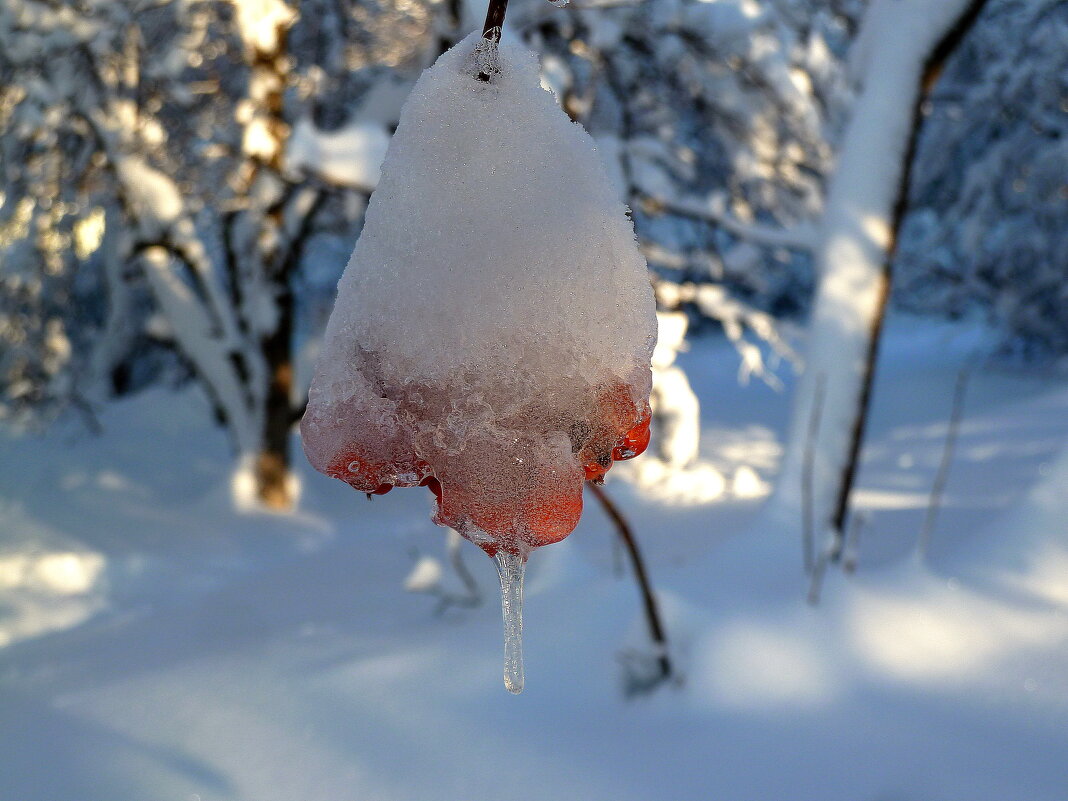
(492, 331)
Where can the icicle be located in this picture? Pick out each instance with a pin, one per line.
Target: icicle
(510, 568)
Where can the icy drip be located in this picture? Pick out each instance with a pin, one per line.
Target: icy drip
(510, 568)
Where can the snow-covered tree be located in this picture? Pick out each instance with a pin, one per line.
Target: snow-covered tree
(857, 234)
(163, 163)
(987, 223)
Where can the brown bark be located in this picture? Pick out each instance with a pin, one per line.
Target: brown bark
(272, 463)
(273, 460)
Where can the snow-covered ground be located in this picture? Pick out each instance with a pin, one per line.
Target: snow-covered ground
(156, 645)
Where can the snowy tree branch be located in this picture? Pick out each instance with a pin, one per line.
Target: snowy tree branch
(893, 59)
(802, 237)
(735, 317)
(193, 330)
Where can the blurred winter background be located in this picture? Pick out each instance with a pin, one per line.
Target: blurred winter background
(864, 582)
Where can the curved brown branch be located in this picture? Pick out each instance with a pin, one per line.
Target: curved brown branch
(652, 613)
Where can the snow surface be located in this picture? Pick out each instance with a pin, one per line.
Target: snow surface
(495, 312)
(251, 657)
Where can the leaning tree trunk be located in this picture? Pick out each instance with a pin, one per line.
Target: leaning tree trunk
(932, 69)
(899, 43)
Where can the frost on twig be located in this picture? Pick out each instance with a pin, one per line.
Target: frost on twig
(485, 58)
(808, 537)
(851, 552)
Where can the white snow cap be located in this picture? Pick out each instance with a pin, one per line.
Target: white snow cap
(495, 323)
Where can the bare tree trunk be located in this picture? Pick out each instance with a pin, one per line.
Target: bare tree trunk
(269, 70)
(272, 463)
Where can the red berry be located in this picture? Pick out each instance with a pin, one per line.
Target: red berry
(594, 471)
(620, 431)
(553, 516)
(371, 472)
(358, 469)
(635, 441)
(433, 484)
(516, 496)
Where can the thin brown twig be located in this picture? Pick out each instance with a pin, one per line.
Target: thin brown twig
(939, 486)
(494, 20)
(808, 467)
(652, 614)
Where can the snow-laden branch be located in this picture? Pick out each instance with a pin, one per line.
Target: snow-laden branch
(193, 330)
(736, 317)
(713, 208)
(160, 217)
(351, 156)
